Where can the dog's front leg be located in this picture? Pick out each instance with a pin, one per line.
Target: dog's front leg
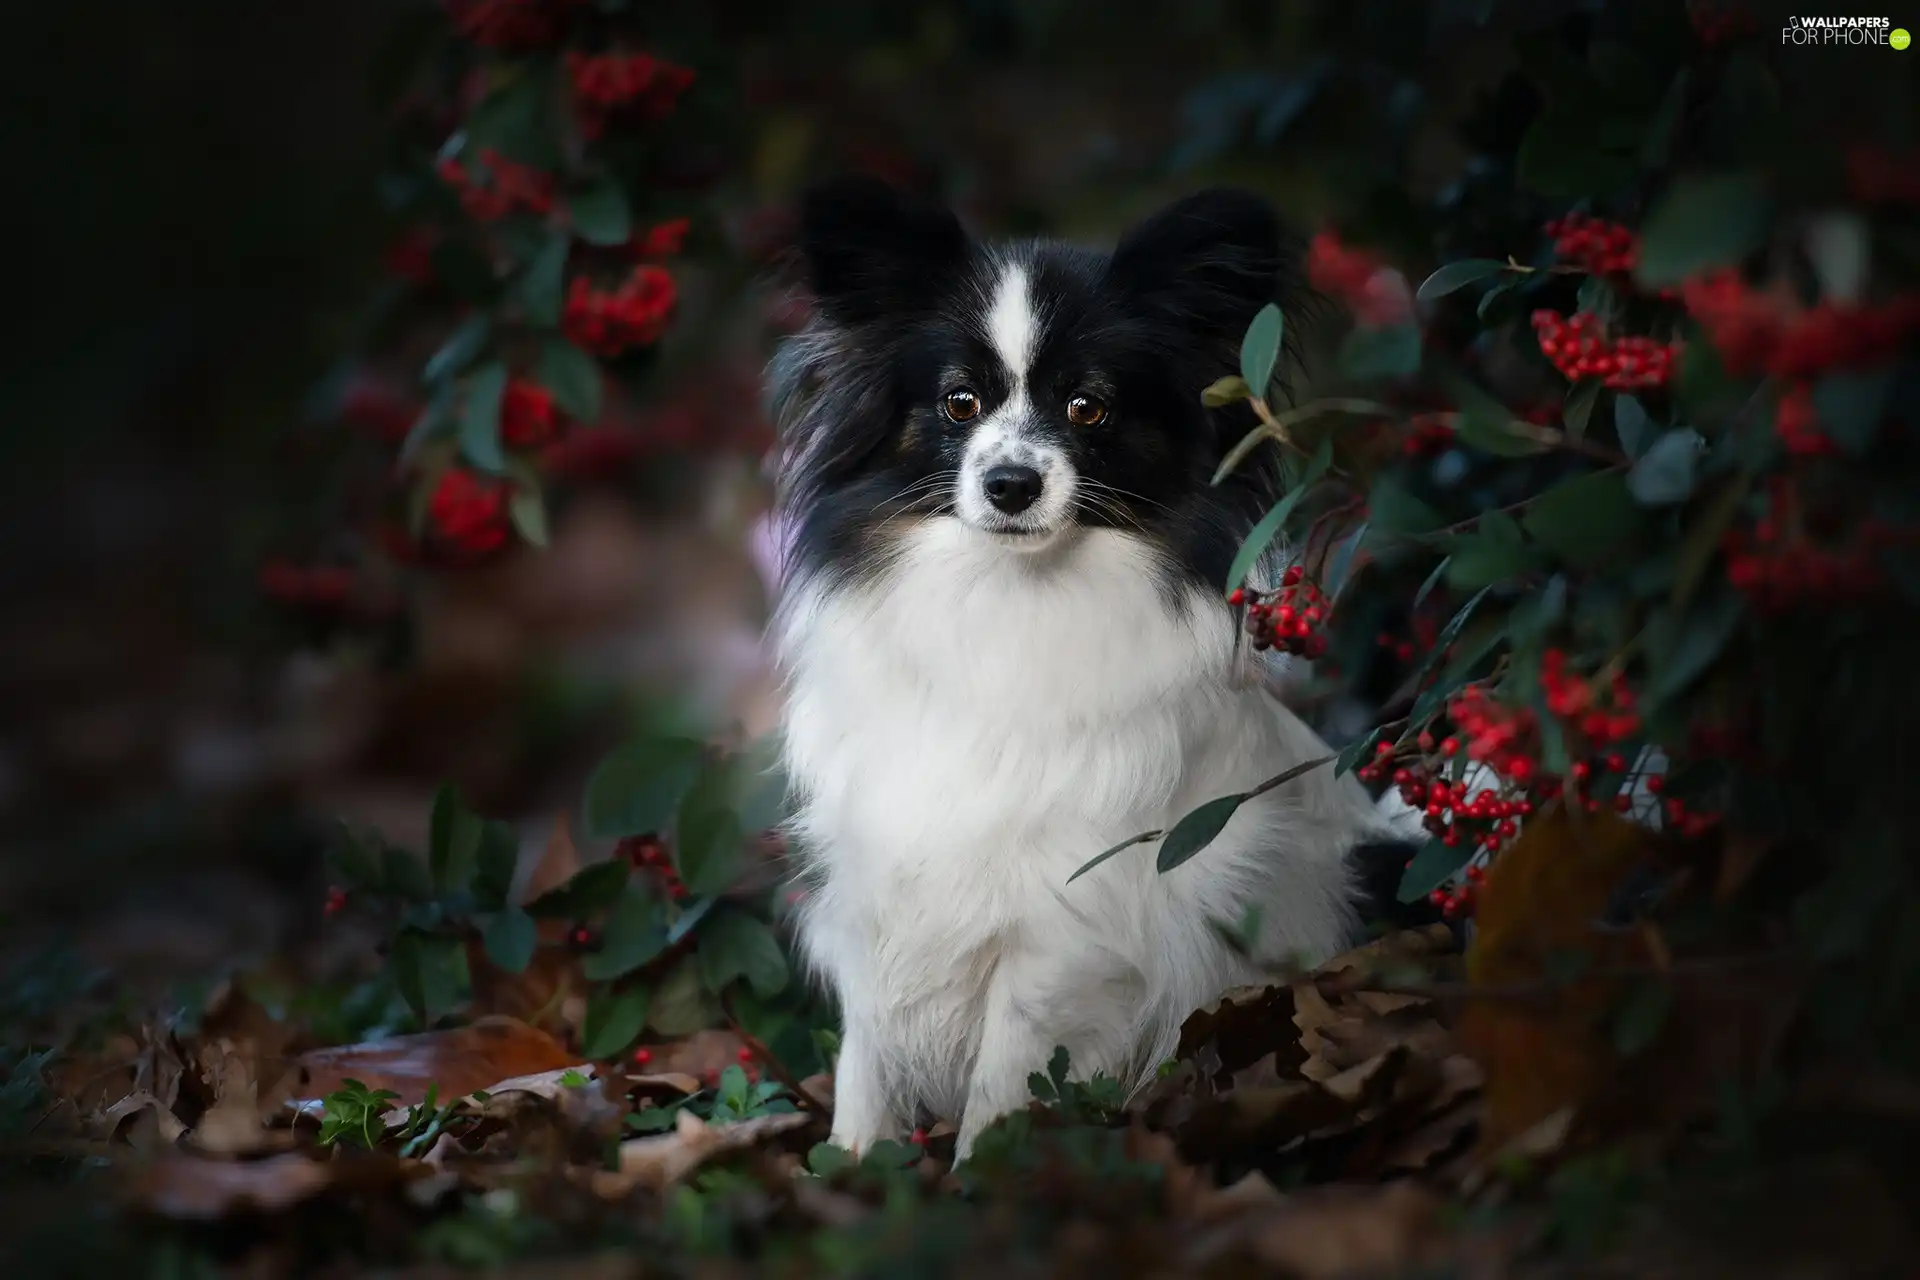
(1013, 1045)
(863, 1106)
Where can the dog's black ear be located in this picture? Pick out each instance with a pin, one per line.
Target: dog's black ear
(1209, 262)
(874, 251)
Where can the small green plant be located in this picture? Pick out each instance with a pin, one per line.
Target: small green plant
(1094, 1101)
(735, 1098)
(355, 1114)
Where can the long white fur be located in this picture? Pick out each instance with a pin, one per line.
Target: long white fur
(968, 728)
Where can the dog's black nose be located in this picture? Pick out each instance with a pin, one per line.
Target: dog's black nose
(1012, 489)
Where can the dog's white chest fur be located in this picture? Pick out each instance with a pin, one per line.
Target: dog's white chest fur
(966, 733)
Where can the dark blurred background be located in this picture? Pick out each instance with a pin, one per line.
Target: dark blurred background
(200, 232)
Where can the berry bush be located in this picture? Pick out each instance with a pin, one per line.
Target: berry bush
(1617, 507)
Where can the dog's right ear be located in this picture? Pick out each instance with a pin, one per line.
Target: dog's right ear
(873, 251)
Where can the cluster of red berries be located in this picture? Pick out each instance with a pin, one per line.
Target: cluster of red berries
(528, 419)
(1427, 434)
(638, 82)
(1461, 899)
(1594, 244)
(1779, 573)
(336, 901)
(1601, 716)
(662, 240)
(1579, 349)
(469, 514)
(410, 256)
(1504, 738)
(508, 24)
(1719, 22)
(315, 587)
(497, 187)
(592, 451)
(1293, 620)
(635, 314)
(650, 852)
(1754, 333)
(1358, 280)
(1426, 630)
(1797, 423)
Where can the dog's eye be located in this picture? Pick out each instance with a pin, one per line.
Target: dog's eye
(961, 404)
(1085, 411)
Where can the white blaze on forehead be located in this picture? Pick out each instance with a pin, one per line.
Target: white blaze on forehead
(1012, 327)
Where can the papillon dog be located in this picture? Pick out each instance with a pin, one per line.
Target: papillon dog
(1006, 647)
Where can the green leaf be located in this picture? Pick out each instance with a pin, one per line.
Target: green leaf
(1494, 431)
(600, 213)
(1578, 410)
(528, 510)
(1431, 867)
(1448, 634)
(574, 378)
(1260, 349)
(1457, 275)
(430, 970)
(591, 888)
(521, 118)
(1342, 563)
(1701, 541)
(1642, 1015)
(1197, 830)
(737, 945)
(1496, 302)
(454, 841)
(510, 939)
(691, 914)
(824, 1160)
(494, 864)
(1666, 472)
(1851, 406)
(1704, 221)
(405, 876)
(614, 1019)
(355, 858)
(543, 287)
(1540, 612)
(1703, 635)
(468, 339)
(1481, 561)
(480, 419)
(1585, 521)
(637, 789)
(709, 840)
(1426, 588)
(1657, 146)
(681, 1003)
(1231, 389)
(1631, 423)
(635, 932)
(1393, 352)
(1261, 537)
(1143, 838)
(1392, 508)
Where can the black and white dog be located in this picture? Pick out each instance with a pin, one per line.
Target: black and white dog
(1006, 648)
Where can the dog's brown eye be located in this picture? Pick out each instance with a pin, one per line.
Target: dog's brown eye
(1085, 411)
(962, 404)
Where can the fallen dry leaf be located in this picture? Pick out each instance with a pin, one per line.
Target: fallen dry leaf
(663, 1159)
(458, 1061)
(188, 1187)
(1540, 903)
(1335, 1231)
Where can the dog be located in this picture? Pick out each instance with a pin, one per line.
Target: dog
(1006, 647)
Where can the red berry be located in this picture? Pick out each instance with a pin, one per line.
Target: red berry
(745, 1054)
(918, 1137)
(642, 1056)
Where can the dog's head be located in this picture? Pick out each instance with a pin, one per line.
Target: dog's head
(1030, 391)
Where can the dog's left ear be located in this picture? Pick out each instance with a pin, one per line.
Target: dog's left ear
(1208, 262)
